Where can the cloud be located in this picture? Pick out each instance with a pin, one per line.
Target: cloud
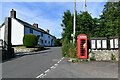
(47, 14)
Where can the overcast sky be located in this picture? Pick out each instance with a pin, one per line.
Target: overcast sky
(47, 14)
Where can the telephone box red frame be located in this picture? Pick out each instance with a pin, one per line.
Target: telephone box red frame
(79, 48)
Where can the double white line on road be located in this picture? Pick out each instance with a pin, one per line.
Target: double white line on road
(48, 70)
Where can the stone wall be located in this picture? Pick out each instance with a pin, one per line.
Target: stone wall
(23, 49)
(104, 55)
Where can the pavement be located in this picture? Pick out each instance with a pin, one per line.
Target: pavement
(84, 70)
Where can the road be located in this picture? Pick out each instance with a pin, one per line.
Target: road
(31, 65)
(34, 65)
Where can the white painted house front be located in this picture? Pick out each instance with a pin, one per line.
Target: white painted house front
(19, 28)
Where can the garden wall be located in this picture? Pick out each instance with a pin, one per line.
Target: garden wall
(23, 49)
(104, 55)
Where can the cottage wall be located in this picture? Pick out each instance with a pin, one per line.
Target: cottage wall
(2, 32)
(17, 32)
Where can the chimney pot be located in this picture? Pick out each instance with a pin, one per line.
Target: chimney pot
(47, 30)
(13, 13)
(35, 25)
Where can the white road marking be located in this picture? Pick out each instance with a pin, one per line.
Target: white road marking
(48, 70)
(39, 75)
(51, 67)
(56, 64)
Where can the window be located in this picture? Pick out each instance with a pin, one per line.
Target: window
(45, 41)
(42, 41)
(49, 42)
(52, 40)
(38, 36)
(42, 34)
(31, 31)
(48, 36)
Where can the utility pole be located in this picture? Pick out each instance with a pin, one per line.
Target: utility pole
(85, 6)
(74, 21)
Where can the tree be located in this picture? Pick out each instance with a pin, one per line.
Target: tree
(110, 19)
(67, 25)
(84, 24)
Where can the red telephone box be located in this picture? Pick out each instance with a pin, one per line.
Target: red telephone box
(82, 46)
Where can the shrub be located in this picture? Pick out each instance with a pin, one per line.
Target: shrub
(65, 47)
(113, 57)
(30, 40)
(72, 51)
(68, 49)
(92, 57)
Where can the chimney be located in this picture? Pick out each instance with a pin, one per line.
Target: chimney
(35, 25)
(47, 30)
(13, 13)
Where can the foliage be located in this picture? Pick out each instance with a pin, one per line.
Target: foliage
(92, 57)
(58, 42)
(30, 40)
(84, 24)
(106, 26)
(113, 57)
(110, 18)
(72, 51)
(68, 49)
(65, 47)
(67, 25)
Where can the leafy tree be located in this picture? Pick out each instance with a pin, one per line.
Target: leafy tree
(110, 19)
(67, 25)
(84, 24)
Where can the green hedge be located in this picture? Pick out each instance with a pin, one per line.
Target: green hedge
(30, 40)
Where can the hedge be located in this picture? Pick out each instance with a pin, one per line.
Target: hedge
(30, 40)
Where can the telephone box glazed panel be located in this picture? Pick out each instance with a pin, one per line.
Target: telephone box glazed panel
(82, 46)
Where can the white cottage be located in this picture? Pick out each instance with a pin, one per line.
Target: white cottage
(19, 28)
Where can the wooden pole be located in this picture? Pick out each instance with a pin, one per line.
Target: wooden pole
(74, 21)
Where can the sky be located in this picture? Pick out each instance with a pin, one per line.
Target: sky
(48, 15)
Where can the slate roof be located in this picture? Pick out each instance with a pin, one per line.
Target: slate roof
(2, 24)
(30, 26)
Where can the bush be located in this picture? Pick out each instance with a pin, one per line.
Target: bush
(113, 57)
(30, 40)
(68, 49)
(72, 51)
(65, 47)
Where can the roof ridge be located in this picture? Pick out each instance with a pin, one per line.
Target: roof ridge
(29, 25)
